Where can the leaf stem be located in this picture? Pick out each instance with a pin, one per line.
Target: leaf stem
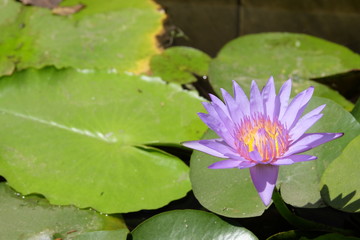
(302, 223)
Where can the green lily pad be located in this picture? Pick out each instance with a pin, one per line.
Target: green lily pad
(103, 235)
(227, 192)
(179, 64)
(114, 35)
(84, 138)
(283, 56)
(300, 182)
(340, 182)
(356, 111)
(189, 224)
(17, 215)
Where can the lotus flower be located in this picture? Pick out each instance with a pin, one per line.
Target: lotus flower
(261, 133)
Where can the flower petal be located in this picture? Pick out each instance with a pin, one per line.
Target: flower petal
(256, 102)
(296, 107)
(255, 156)
(227, 121)
(268, 95)
(310, 140)
(235, 111)
(282, 99)
(293, 159)
(246, 164)
(225, 164)
(208, 146)
(218, 127)
(216, 101)
(264, 178)
(241, 99)
(305, 123)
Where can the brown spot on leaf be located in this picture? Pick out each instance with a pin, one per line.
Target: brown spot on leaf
(64, 11)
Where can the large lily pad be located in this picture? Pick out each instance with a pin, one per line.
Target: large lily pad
(340, 181)
(300, 182)
(34, 218)
(117, 35)
(284, 56)
(189, 224)
(83, 138)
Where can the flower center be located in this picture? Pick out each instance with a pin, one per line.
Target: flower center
(269, 138)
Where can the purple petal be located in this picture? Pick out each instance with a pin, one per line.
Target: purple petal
(255, 155)
(282, 99)
(235, 156)
(241, 99)
(227, 121)
(256, 102)
(213, 123)
(233, 107)
(215, 101)
(310, 140)
(296, 107)
(293, 159)
(246, 164)
(200, 146)
(264, 178)
(268, 95)
(225, 164)
(305, 123)
(218, 127)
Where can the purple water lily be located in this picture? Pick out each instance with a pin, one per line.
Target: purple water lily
(262, 133)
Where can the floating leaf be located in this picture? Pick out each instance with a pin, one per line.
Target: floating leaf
(17, 215)
(180, 64)
(103, 235)
(300, 182)
(189, 224)
(340, 182)
(83, 138)
(356, 111)
(117, 35)
(282, 55)
(227, 192)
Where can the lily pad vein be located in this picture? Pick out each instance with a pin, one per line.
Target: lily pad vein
(98, 135)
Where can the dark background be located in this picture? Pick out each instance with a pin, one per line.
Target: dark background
(209, 24)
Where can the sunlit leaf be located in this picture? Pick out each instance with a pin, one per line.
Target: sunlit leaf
(34, 218)
(116, 35)
(228, 192)
(283, 56)
(356, 111)
(189, 224)
(300, 182)
(103, 235)
(340, 182)
(84, 138)
(180, 64)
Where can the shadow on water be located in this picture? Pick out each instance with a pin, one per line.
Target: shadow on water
(341, 202)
